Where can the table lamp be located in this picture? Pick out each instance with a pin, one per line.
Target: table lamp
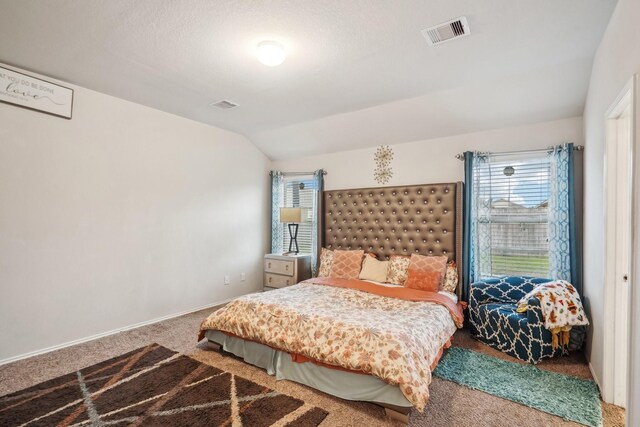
(293, 216)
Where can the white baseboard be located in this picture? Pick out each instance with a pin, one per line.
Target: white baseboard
(113, 331)
(595, 378)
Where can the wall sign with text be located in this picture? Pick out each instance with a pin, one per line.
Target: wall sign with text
(34, 93)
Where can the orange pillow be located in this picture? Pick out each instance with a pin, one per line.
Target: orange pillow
(423, 280)
(346, 264)
(427, 264)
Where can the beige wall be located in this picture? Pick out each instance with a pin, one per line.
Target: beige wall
(617, 59)
(121, 215)
(433, 160)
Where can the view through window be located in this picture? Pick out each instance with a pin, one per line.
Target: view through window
(511, 198)
(300, 191)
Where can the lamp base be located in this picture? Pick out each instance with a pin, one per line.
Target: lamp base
(293, 238)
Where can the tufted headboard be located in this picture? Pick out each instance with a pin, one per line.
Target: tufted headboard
(426, 219)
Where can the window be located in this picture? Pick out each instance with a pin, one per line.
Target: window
(511, 218)
(300, 191)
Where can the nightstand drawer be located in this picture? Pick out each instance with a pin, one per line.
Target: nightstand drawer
(279, 266)
(277, 280)
(285, 270)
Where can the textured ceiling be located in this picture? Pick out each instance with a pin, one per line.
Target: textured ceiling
(359, 73)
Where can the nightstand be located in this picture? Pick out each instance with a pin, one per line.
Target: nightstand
(285, 270)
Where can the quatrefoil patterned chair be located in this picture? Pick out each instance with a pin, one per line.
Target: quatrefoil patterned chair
(494, 320)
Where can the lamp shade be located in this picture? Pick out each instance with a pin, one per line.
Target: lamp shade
(295, 215)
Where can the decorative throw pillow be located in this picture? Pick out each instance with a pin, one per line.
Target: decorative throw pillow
(428, 264)
(398, 269)
(346, 264)
(372, 269)
(450, 278)
(423, 280)
(326, 260)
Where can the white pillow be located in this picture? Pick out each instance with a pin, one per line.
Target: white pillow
(372, 269)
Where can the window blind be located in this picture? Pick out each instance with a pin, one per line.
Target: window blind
(511, 201)
(300, 191)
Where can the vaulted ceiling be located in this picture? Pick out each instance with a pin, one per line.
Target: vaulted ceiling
(358, 73)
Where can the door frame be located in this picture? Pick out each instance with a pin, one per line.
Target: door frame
(612, 390)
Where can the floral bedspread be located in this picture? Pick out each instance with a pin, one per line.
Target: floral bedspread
(393, 339)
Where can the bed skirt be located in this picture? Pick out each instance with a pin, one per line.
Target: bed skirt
(339, 383)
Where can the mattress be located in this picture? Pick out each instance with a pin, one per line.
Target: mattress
(343, 384)
(394, 334)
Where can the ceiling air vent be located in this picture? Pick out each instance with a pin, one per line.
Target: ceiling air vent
(447, 31)
(224, 104)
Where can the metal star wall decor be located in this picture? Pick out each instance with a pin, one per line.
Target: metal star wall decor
(383, 157)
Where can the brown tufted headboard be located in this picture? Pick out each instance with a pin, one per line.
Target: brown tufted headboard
(426, 219)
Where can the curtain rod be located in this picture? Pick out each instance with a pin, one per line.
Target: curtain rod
(539, 150)
(299, 173)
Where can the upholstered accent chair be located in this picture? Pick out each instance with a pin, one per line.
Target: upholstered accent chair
(493, 318)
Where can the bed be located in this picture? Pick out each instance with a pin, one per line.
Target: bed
(355, 339)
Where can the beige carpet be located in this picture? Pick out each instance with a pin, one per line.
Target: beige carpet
(450, 404)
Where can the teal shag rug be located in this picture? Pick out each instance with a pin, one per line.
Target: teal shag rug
(568, 397)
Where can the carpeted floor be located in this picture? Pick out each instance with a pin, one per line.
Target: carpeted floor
(450, 403)
(566, 396)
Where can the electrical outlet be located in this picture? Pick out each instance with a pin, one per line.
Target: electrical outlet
(243, 277)
(227, 280)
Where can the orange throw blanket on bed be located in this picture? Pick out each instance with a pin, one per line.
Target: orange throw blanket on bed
(399, 292)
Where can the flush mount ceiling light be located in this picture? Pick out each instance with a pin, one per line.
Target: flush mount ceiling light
(271, 53)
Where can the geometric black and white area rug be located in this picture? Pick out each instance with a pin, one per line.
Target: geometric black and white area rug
(153, 386)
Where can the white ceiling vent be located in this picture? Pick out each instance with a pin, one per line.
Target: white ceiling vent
(447, 31)
(224, 104)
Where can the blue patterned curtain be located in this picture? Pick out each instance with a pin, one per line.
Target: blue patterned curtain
(316, 237)
(563, 254)
(277, 200)
(468, 276)
(479, 217)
